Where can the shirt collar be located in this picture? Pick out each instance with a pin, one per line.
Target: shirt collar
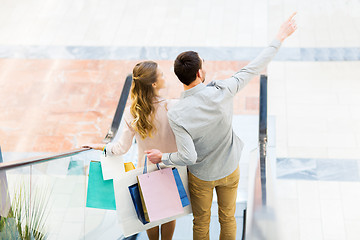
(193, 90)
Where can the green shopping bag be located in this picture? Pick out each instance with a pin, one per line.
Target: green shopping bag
(100, 193)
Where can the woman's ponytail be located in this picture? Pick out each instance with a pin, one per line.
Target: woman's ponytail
(143, 96)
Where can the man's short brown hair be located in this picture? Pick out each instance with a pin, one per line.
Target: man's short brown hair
(186, 66)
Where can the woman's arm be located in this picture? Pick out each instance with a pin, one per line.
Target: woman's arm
(124, 143)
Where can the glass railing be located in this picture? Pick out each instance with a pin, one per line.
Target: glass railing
(261, 220)
(48, 199)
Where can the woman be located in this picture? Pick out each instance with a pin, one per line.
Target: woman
(146, 119)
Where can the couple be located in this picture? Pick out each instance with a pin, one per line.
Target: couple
(196, 131)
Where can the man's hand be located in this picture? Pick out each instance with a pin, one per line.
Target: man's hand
(287, 28)
(154, 155)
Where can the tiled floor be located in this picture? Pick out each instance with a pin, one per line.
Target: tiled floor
(318, 198)
(317, 108)
(318, 209)
(63, 63)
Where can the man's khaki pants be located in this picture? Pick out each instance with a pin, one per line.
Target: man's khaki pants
(201, 194)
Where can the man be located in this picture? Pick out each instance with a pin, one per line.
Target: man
(206, 143)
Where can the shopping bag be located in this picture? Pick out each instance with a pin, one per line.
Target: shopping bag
(143, 206)
(129, 166)
(138, 202)
(127, 216)
(182, 193)
(135, 196)
(159, 194)
(112, 166)
(100, 192)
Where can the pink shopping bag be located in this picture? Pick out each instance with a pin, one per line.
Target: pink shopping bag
(160, 194)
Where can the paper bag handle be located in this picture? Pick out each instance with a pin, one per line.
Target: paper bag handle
(145, 165)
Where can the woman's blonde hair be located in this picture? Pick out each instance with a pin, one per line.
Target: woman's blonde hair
(143, 96)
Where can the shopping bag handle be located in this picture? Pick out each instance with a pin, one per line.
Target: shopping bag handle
(145, 165)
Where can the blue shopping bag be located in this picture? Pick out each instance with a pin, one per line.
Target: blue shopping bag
(100, 193)
(183, 196)
(135, 196)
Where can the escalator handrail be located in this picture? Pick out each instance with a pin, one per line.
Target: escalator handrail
(263, 134)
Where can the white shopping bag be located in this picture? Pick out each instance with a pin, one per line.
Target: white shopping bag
(125, 209)
(112, 166)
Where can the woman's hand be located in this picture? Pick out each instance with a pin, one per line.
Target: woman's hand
(287, 28)
(94, 146)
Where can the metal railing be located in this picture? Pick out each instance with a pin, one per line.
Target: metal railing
(263, 134)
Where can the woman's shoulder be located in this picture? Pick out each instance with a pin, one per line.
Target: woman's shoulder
(127, 114)
(127, 110)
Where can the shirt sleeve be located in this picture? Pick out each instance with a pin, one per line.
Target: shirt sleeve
(255, 67)
(186, 154)
(124, 143)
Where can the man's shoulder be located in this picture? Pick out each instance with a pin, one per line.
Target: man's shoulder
(178, 109)
(175, 107)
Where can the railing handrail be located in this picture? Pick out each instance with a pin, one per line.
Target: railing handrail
(263, 134)
(109, 136)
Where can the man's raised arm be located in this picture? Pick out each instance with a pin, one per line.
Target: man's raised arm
(256, 66)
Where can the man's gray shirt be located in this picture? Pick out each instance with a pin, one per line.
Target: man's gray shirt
(202, 123)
